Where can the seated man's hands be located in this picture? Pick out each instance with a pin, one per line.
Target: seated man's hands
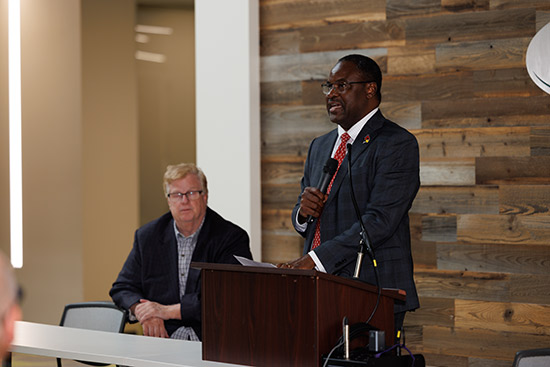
(146, 309)
(154, 326)
(151, 316)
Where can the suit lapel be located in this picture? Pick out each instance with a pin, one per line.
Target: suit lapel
(360, 145)
(366, 136)
(170, 244)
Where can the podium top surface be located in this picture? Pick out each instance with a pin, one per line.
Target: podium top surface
(397, 294)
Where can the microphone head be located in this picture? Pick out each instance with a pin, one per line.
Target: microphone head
(331, 166)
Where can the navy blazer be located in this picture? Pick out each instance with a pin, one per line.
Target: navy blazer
(151, 269)
(385, 176)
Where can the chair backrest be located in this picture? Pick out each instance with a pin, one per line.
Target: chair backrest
(102, 316)
(532, 358)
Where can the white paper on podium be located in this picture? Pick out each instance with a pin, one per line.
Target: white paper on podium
(247, 262)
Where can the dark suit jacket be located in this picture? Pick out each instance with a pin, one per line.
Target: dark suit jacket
(151, 269)
(385, 175)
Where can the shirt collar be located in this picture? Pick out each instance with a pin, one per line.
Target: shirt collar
(178, 233)
(356, 128)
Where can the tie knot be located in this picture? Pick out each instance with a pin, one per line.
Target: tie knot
(345, 137)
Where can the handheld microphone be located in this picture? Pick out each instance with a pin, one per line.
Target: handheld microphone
(328, 171)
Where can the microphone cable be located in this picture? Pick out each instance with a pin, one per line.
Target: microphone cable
(365, 241)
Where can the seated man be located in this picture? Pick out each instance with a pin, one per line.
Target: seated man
(9, 308)
(156, 282)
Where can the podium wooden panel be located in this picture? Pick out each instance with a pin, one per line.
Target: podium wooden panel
(274, 317)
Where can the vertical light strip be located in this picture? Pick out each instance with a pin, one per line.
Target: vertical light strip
(16, 176)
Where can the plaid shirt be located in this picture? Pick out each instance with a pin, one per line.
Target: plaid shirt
(186, 246)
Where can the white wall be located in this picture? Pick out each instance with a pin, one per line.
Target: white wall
(228, 110)
(52, 172)
(80, 157)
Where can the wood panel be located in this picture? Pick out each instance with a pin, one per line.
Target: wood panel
(433, 311)
(413, 337)
(433, 359)
(484, 362)
(503, 229)
(277, 221)
(524, 199)
(487, 112)
(287, 130)
(404, 114)
(511, 4)
(518, 170)
(404, 8)
(474, 142)
(530, 288)
(341, 36)
(313, 65)
(282, 170)
(277, 93)
(479, 343)
(428, 87)
(285, 42)
(465, 5)
(448, 171)
(471, 26)
(440, 228)
(509, 317)
(543, 17)
(282, 14)
(463, 285)
(424, 254)
(480, 55)
(312, 92)
(458, 200)
(494, 258)
(505, 82)
(278, 248)
(280, 194)
(411, 60)
(540, 141)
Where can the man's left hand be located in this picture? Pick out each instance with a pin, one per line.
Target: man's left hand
(305, 263)
(147, 309)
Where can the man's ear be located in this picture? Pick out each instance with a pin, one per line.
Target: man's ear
(371, 89)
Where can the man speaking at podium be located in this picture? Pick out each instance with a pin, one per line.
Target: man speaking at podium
(156, 282)
(385, 176)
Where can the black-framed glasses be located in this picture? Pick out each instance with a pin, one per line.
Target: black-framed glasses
(341, 87)
(178, 196)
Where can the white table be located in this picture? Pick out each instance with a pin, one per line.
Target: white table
(100, 346)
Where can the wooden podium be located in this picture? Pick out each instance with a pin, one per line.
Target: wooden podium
(278, 317)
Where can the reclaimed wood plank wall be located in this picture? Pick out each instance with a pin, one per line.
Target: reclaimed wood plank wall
(455, 76)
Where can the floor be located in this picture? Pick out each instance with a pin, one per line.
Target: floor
(27, 360)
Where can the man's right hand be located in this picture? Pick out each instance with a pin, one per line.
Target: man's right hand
(311, 203)
(154, 326)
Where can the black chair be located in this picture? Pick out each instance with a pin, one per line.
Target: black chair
(101, 316)
(532, 358)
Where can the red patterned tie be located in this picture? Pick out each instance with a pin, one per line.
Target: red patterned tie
(339, 156)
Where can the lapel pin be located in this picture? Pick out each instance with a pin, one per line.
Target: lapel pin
(367, 139)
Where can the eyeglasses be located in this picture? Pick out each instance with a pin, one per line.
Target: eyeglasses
(178, 196)
(341, 87)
